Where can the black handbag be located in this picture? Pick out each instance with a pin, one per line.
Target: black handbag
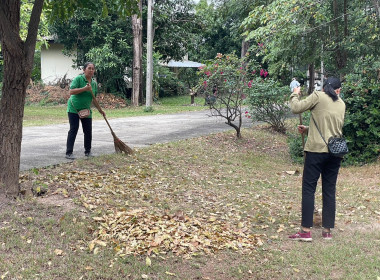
(337, 146)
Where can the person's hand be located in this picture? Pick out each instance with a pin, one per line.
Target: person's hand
(87, 87)
(302, 129)
(297, 90)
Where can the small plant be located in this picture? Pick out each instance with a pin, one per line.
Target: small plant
(267, 101)
(148, 109)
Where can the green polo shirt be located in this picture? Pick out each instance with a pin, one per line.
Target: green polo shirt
(328, 114)
(82, 100)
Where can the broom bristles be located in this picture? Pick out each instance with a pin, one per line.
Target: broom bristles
(121, 147)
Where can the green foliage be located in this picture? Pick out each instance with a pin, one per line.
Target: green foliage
(36, 71)
(267, 102)
(218, 32)
(174, 27)
(303, 32)
(106, 41)
(362, 124)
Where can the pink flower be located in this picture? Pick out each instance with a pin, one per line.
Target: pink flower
(208, 73)
(250, 84)
(205, 83)
(221, 72)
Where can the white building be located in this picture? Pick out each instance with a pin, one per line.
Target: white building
(55, 65)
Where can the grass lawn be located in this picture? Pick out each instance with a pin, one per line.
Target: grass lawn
(207, 208)
(35, 115)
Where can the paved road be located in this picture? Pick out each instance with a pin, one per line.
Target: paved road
(44, 146)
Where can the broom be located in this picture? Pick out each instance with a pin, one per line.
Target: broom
(120, 146)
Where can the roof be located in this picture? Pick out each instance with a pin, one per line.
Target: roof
(186, 63)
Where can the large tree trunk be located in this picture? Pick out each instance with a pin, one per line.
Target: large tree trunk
(137, 57)
(18, 58)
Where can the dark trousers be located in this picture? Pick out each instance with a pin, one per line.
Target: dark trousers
(316, 165)
(74, 126)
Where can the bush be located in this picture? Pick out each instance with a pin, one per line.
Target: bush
(362, 124)
(267, 101)
(223, 82)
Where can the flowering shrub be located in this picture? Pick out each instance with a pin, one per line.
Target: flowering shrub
(267, 102)
(223, 83)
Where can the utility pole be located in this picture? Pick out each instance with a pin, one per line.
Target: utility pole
(149, 62)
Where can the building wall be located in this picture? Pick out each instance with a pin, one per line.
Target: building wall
(54, 65)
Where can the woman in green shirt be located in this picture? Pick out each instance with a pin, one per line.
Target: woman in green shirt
(81, 98)
(327, 109)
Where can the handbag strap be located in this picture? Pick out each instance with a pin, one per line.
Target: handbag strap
(74, 106)
(318, 129)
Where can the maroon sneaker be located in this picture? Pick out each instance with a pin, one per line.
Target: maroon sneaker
(326, 235)
(301, 236)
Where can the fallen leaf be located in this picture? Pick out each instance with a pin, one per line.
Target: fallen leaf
(170, 273)
(148, 262)
(58, 252)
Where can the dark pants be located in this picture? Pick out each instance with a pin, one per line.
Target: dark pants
(317, 164)
(74, 126)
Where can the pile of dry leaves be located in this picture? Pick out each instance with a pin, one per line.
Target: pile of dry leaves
(138, 232)
(38, 94)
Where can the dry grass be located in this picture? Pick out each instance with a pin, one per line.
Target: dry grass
(227, 185)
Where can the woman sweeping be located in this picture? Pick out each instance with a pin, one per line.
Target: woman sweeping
(79, 108)
(327, 114)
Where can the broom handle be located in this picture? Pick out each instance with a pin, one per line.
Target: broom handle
(303, 136)
(100, 110)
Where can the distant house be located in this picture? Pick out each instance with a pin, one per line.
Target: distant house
(55, 65)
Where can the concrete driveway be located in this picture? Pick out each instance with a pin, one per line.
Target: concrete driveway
(46, 145)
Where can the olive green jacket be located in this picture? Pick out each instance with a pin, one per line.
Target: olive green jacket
(328, 114)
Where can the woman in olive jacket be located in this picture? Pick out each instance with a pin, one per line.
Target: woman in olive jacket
(327, 109)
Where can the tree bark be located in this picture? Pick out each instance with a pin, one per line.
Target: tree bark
(311, 78)
(340, 53)
(244, 48)
(137, 57)
(18, 62)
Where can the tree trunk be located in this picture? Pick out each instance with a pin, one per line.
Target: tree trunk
(311, 78)
(18, 62)
(340, 53)
(244, 48)
(137, 57)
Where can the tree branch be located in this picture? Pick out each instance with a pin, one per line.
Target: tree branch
(31, 39)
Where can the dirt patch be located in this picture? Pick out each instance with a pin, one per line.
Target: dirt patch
(66, 204)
